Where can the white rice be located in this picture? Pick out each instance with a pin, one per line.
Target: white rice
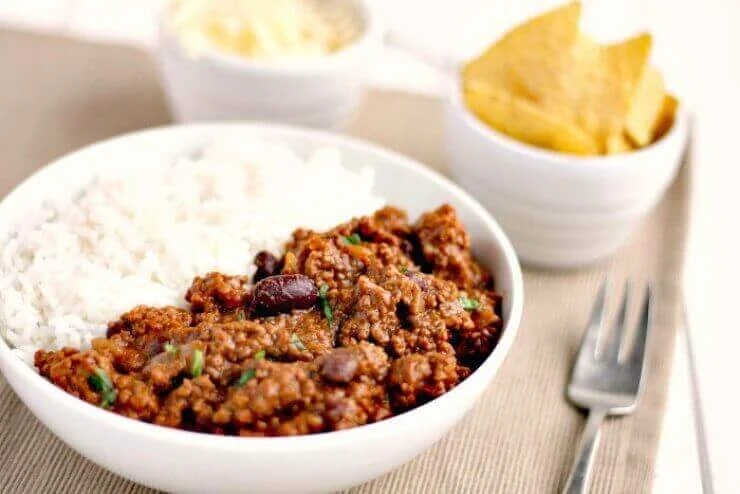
(140, 237)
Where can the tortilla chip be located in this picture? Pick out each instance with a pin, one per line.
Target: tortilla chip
(618, 143)
(645, 109)
(525, 122)
(601, 84)
(529, 57)
(666, 118)
(603, 98)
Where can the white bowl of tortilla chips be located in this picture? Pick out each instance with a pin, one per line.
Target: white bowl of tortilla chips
(570, 144)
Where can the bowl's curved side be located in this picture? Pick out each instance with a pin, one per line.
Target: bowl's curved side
(175, 463)
(188, 462)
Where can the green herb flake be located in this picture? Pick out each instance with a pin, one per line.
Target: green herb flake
(325, 305)
(404, 269)
(101, 383)
(170, 348)
(296, 342)
(259, 355)
(244, 378)
(197, 368)
(469, 303)
(240, 315)
(353, 239)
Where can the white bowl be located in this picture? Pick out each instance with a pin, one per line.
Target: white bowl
(181, 461)
(559, 210)
(321, 92)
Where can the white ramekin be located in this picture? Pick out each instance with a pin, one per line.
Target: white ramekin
(559, 210)
(215, 86)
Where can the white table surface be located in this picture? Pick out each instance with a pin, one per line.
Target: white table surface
(697, 45)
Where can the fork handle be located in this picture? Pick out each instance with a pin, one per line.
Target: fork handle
(580, 473)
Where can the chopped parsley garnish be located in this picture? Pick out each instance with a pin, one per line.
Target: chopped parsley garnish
(325, 305)
(170, 348)
(353, 239)
(249, 373)
(469, 303)
(197, 368)
(296, 342)
(404, 269)
(101, 383)
(244, 378)
(240, 315)
(323, 290)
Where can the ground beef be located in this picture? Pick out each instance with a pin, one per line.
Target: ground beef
(136, 398)
(372, 316)
(139, 335)
(445, 247)
(389, 332)
(216, 291)
(417, 378)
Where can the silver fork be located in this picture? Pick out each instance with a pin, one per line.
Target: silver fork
(606, 382)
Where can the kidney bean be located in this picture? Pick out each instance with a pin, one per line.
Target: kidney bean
(267, 265)
(339, 366)
(283, 293)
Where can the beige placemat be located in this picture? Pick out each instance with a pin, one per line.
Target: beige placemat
(56, 95)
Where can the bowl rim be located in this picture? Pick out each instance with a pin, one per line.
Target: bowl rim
(560, 160)
(480, 378)
(372, 32)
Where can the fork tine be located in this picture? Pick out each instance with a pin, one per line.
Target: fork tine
(612, 346)
(591, 334)
(637, 359)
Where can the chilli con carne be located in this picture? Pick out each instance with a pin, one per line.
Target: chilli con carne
(351, 326)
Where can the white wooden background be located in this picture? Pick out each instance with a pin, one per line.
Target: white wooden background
(697, 45)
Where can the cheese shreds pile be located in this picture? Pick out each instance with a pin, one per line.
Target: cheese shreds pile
(264, 29)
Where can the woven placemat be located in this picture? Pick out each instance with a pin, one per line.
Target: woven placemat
(57, 95)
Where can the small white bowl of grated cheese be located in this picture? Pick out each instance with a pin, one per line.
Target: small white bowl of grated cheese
(292, 61)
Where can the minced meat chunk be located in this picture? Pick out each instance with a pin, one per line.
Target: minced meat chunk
(216, 291)
(445, 246)
(417, 378)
